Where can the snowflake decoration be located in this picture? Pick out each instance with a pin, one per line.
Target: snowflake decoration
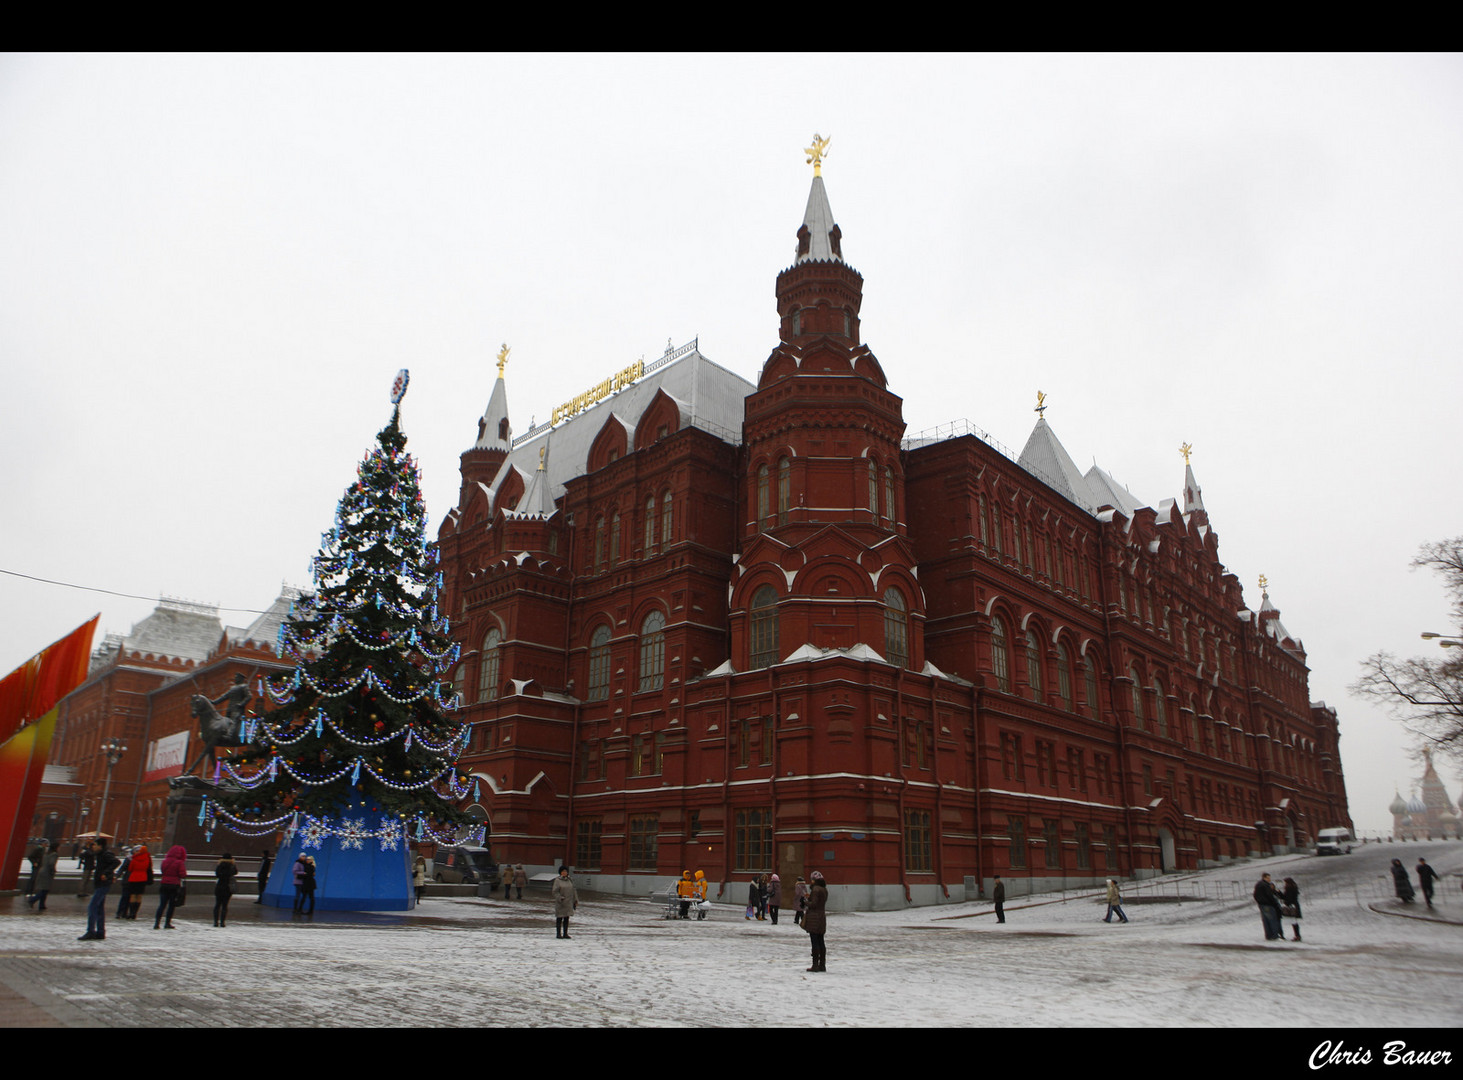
(313, 834)
(351, 832)
(390, 833)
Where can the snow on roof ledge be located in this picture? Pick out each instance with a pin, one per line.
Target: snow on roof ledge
(859, 651)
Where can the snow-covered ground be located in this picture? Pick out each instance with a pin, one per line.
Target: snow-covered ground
(469, 961)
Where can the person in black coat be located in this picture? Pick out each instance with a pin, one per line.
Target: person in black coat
(1426, 875)
(225, 871)
(264, 864)
(1402, 882)
(999, 896)
(815, 921)
(96, 910)
(1290, 899)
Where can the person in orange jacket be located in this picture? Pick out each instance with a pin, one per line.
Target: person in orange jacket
(686, 890)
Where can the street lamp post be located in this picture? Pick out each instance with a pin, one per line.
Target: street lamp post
(1445, 642)
(113, 750)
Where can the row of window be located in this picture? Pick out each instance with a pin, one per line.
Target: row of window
(767, 518)
(606, 556)
(752, 850)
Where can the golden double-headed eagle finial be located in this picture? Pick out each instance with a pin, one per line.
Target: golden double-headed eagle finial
(502, 359)
(1185, 449)
(1264, 582)
(1040, 409)
(817, 152)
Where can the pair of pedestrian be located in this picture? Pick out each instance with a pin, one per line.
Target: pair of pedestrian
(1275, 905)
(139, 877)
(304, 874)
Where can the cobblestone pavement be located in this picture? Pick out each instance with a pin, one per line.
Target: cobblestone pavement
(475, 962)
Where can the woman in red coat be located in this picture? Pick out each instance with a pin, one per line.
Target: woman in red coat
(139, 877)
(175, 869)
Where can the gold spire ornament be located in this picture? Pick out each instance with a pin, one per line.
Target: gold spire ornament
(502, 359)
(1185, 449)
(542, 450)
(1264, 582)
(817, 152)
(1040, 409)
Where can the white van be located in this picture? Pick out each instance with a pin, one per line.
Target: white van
(1334, 842)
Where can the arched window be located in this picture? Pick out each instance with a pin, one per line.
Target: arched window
(896, 627)
(763, 510)
(599, 544)
(874, 489)
(615, 539)
(1160, 713)
(1033, 664)
(784, 489)
(489, 665)
(666, 519)
(1089, 673)
(599, 664)
(1064, 677)
(764, 627)
(652, 652)
(650, 525)
(1137, 694)
(1000, 657)
(889, 495)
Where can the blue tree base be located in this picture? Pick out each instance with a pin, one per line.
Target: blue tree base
(346, 878)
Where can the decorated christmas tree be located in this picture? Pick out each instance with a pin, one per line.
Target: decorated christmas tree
(358, 755)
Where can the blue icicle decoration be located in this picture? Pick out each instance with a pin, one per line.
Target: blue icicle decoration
(319, 723)
(476, 790)
(356, 774)
(408, 738)
(202, 811)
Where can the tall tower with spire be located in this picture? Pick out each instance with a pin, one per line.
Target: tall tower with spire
(824, 483)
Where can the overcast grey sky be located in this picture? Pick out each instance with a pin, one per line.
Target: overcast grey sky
(215, 265)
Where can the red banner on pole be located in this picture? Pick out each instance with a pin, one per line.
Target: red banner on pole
(28, 699)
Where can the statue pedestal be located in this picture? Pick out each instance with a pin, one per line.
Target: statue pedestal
(360, 877)
(184, 801)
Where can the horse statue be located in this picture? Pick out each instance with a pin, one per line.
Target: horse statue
(215, 730)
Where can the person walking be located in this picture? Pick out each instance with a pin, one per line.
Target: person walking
(565, 903)
(1114, 902)
(1290, 907)
(265, 862)
(506, 876)
(999, 896)
(419, 877)
(223, 888)
(1402, 882)
(1426, 876)
(774, 897)
(37, 857)
(139, 877)
(45, 878)
(1269, 905)
(105, 867)
(752, 898)
(520, 879)
(799, 900)
(175, 869)
(815, 921)
(308, 885)
(124, 867)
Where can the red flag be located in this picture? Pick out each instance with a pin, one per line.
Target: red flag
(28, 699)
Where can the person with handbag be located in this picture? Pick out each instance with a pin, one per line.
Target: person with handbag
(224, 888)
(1290, 906)
(175, 869)
(1114, 902)
(46, 877)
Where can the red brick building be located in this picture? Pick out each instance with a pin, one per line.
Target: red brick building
(735, 627)
(138, 692)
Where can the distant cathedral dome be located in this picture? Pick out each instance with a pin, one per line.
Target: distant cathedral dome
(1415, 805)
(1398, 805)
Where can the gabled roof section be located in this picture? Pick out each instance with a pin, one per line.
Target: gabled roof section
(178, 628)
(1193, 495)
(1046, 459)
(1108, 492)
(536, 502)
(266, 628)
(714, 397)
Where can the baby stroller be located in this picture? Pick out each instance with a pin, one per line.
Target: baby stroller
(698, 908)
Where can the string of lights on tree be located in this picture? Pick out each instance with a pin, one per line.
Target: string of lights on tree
(359, 743)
